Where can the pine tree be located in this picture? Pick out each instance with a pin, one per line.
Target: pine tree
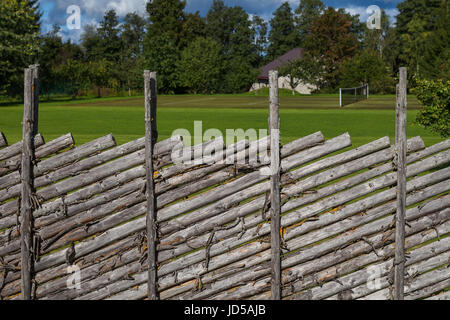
(434, 64)
(283, 35)
(415, 22)
(162, 44)
(232, 29)
(19, 42)
(110, 43)
(260, 30)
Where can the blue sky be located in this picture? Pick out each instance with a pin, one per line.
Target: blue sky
(54, 11)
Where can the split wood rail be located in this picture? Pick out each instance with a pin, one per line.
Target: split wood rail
(101, 221)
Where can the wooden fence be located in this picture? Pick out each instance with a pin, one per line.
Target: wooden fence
(215, 224)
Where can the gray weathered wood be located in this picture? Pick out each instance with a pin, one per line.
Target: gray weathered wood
(108, 183)
(57, 165)
(41, 152)
(292, 245)
(181, 275)
(400, 145)
(3, 141)
(257, 204)
(35, 101)
(303, 256)
(150, 130)
(16, 148)
(27, 187)
(275, 186)
(251, 274)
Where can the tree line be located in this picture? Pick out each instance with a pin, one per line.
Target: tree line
(223, 51)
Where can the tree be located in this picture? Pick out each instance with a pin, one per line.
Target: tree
(91, 43)
(201, 66)
(110, 43)
(132, 56)
(415, 22)
(132, 35)
(49, 58)
(298, 71)
(434, 63)
(162, 44)
(194, 27)
(330, 44)
(435, 113)
(367, 67)
(260, 30)
(77, 74)
(283, 35)
(100, 74)
(374, 39)
(232, 29)
(19, 42)
(305, 14)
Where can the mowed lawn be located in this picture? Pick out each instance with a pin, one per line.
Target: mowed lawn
(300, 115)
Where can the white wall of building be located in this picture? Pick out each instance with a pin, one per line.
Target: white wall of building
(283, 83)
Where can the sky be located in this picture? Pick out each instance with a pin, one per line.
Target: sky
(92, 11)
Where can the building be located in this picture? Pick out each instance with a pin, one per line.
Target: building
(283, 82)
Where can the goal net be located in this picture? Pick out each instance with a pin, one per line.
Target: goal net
(352, 95)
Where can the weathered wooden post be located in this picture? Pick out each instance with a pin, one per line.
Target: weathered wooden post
(35, 102)
(275, 186)
(150, 140)
(400, 143)
(26, 208)
(3, 141)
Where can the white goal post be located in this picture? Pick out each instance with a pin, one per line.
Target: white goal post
(352, 95)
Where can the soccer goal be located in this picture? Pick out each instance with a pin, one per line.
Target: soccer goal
(352, 95)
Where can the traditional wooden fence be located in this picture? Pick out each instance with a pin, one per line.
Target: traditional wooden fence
(215, 224)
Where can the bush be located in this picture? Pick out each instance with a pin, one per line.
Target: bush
(435, 97)
(367, 67)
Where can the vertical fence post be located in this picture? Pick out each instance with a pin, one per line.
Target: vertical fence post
(26, 208)
(150, 139)
(400, 142)
(275, 240)
(35, 102)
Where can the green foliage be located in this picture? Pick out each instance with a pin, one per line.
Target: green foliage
(283, 34)
(77, 74)
(415, 22)
(19, 43)
(435, 97)
(434, 63)
(232, 29)
(201, 66)
(298, 71)
(260, 29)
(331, 42)
(162, 41)
(306, 13)
(194, 26)
(367, 67)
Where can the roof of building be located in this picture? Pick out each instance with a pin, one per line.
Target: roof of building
(294, 54)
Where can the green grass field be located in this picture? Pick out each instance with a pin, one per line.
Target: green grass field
(88, 119)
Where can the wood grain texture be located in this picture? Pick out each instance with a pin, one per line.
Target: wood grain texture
(275, 186)
(27, 186)
(400, 144)
(3, 141)
(150, 140)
